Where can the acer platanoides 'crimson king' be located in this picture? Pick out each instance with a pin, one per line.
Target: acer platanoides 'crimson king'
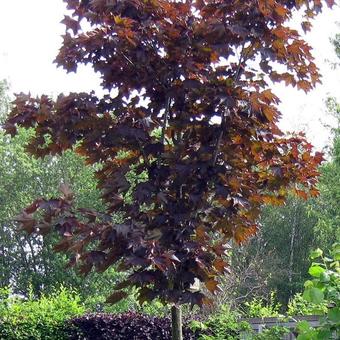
(189, 106)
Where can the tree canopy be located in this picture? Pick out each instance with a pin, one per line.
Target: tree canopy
(189, 106)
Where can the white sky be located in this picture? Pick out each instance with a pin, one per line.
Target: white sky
(30, 33)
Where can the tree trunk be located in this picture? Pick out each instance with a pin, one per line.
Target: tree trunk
(291, 255)
(176, 323)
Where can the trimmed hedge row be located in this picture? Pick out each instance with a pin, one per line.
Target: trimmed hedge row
(37, 319)
(60, 316)
(126, 326)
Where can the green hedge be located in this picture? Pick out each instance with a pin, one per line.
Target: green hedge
(40, 319)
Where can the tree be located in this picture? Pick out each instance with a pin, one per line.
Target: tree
(275, 262)
(326, 208)
(26, 260)
(287, 236)
(29, 263)
(189, 106)
(4, 100)
(278, 258)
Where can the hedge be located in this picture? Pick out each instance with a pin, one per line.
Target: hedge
(37, 319)
(126, 326)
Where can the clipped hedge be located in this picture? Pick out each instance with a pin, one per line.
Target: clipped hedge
(37, 319)
(126, 326)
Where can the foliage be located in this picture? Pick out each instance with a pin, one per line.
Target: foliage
(277, 259)
(4, 100)
(258, 308)
(225, 325)
(95, 302)
(123, 326)
(323, 290)
(41, 319)
(299, 306)
(336, 43)
(24, 260)
(273, 333)
(32, 260)
(287, 237)
(221, 325)
(327, 209)
(221, 155)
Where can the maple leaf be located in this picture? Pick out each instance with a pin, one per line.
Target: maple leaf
(71, 24)
(212, 285)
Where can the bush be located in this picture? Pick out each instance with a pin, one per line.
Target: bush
(41, 319)
(259, 308)
(273, 333)
(127, 326)
(223, 325)
(323, 290)
(96, 304)
(299, 306)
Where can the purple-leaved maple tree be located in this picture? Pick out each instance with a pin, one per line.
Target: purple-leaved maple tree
(188, 105)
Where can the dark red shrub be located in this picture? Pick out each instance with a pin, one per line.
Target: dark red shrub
(127, 326)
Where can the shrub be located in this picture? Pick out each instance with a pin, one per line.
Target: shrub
(259, 308)
(222, 326)
(126, 326)
(323, 290)
(299, 306)
(96, 304)
(41, 319)
(273, 333)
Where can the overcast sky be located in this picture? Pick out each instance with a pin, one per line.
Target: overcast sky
(30, 39)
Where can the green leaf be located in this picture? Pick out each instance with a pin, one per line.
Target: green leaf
(308, 284)
(316, 253)
(197, 325)
(334, 264)
(336, 247)
(336, 256)
(334, 314)
(303, 326)
(316, 271)
(313, 295)
(303, 337)
(324, 277)
(336, 251)
(323, 334)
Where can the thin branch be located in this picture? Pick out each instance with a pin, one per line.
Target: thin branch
(145, 158)
(241, 60)
(222, 125)
(165, 123)
(219, 139)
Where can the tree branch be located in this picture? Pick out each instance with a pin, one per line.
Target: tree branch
(165, 123)
(222, 125)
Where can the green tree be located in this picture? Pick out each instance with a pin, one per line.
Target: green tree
(327, 208)
(277, 258)
(4, 100)
(32, 260)
(28, 261)
(287, 236)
